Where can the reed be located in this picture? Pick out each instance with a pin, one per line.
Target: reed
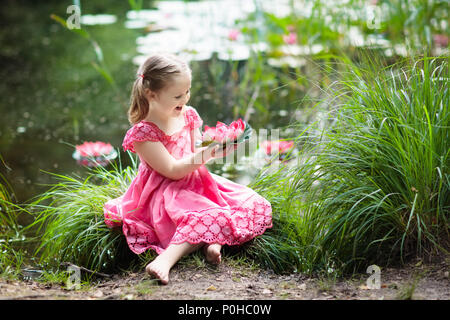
(70, 224)
(373, 186)
(11, 261)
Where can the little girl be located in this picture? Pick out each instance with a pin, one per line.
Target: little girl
(175, 205)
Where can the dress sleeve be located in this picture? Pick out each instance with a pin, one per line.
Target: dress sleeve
(194, 119)
(142, 131)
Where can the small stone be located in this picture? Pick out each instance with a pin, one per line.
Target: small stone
(266, 291)
(393, 286)
(98, 294)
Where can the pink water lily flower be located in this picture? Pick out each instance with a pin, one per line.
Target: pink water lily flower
(235, 129)
(441, 40)
(93, 154)
(274, 147)
(223, 133)
(233, 34)
(209, 133)
(290, 38)
(94, 149)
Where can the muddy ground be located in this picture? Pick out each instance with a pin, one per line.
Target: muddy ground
(230, 281)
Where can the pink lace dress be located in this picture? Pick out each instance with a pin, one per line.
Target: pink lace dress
(201, 207)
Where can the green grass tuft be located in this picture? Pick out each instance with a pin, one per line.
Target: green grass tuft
(373, 187)
(70, 222)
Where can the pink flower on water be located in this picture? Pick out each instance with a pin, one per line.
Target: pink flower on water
(274, 147)
(93, 154)
(233, 34)
(290, 38)
(94, 149)
(441, 40)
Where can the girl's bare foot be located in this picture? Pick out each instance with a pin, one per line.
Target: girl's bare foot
(159, 269)
(212, 253)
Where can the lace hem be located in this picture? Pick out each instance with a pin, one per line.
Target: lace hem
(213, 226)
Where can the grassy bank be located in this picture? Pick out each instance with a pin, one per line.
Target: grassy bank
(373, 187)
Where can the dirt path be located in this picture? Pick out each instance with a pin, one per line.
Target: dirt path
(230, 281)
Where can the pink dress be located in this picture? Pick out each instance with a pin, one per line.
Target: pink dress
(201, 207)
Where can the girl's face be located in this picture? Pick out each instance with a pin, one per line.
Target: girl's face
(171, 100)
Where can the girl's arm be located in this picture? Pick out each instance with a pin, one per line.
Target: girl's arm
(196, 134)
(157, 157)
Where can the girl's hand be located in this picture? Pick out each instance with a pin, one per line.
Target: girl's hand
(216, 152)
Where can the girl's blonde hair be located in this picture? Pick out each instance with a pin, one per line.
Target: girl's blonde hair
(154, 74)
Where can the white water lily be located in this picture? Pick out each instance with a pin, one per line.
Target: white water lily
(377, 41)
(355, 37)
(138, 60)
(136, 24)
(298, 50)
(401, 50)
(148, 15)
(196, 56)
(291, 61)
(89, 19)
(260, 46)
(234, 53)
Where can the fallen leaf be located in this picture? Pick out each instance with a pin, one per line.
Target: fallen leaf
(363, 287)
(211, 288)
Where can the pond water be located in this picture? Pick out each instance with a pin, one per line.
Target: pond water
(52, 98)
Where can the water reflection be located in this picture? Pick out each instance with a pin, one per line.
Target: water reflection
(52, 99)
(195, 30)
